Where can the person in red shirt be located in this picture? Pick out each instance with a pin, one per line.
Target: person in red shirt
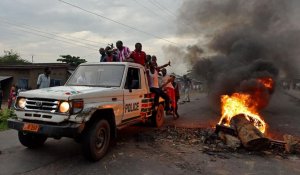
(138, 55)
(12, 97)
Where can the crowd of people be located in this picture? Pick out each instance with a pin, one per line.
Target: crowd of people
(122, 53)
(168, 89)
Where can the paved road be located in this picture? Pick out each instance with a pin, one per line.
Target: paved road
(136, 154)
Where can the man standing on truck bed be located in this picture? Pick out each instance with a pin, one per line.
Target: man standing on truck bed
(123, 52)
(138, 55)
(102, 54)
(110, 57)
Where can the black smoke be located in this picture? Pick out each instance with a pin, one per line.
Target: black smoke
(245, 40)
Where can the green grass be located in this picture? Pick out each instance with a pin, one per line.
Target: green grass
(4, 115)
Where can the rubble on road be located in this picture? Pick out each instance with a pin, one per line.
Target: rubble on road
(292, 144)
(214, 144)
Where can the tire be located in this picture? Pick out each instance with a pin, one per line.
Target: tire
(96, 140)
(31, 140)
(158, 116)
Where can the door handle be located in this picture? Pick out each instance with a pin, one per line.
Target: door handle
(114, 99)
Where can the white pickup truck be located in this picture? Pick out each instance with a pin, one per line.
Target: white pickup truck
(96, 101)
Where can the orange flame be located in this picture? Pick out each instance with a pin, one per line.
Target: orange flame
(242, 103)
(238, 103)
(267, 82)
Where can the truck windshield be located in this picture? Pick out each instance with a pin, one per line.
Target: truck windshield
(97, 75)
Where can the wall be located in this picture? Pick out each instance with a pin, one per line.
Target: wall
(30, 73)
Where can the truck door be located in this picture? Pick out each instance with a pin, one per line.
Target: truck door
(133, 94)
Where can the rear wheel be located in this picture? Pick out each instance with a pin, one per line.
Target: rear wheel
(31, 140)
(96, 140)
(158, 116)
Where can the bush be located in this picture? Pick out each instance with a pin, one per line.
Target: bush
(4, 115)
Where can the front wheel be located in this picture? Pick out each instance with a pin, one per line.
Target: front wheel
(31, 140)
(158, 116)
(96, 140)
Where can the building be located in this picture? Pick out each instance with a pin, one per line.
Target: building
(25, 76)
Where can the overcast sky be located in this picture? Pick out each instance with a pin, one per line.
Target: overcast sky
(46, 29)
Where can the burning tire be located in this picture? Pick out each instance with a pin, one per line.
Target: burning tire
(31, 140)
(96, 140)
(158, 116)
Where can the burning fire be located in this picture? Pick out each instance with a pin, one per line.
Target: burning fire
(236, 104)
(243, 103)
(267, 82)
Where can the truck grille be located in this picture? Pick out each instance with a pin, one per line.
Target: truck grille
(45, 105)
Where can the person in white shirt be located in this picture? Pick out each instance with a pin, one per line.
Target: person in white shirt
(44, 79)
(154, 87)
(123, 52)
(187, 85)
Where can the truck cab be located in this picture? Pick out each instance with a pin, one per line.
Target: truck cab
(96, 101)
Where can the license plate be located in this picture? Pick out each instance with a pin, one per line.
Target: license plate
(31, 127)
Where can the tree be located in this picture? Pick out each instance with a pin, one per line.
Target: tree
(11, 57)
(71, 60)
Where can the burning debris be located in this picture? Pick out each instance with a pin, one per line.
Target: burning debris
(243, 132)
(238, 104)
(241, 122)
(240, 113)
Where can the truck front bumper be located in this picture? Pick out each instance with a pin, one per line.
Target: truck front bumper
(62, 130)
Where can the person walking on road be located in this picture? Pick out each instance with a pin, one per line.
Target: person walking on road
(187, 85)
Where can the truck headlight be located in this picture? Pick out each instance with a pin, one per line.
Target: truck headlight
(64, 107)
(21, 103)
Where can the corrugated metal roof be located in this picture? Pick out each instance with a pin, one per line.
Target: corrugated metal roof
(4, 77)
(34, 65)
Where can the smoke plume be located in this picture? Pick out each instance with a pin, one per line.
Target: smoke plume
(245, 39)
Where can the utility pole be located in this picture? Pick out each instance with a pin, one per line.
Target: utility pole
(32, 58)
